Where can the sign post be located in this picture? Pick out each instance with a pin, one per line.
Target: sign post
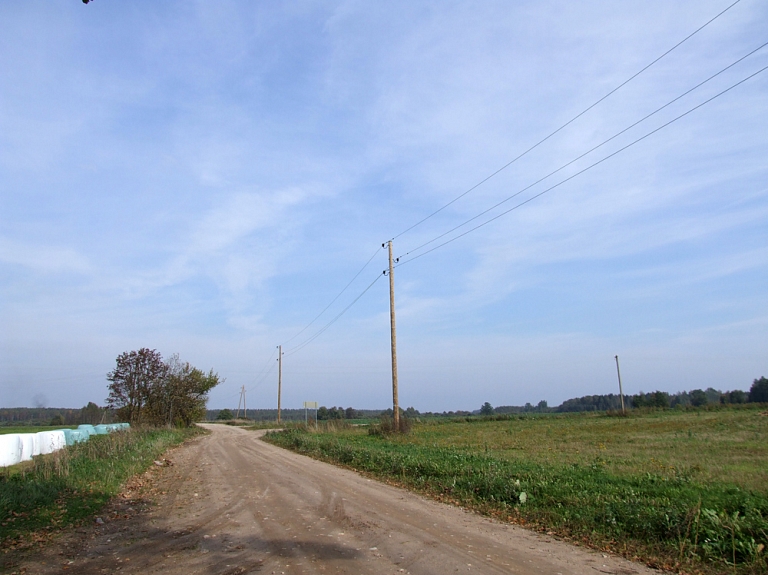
(310, 405)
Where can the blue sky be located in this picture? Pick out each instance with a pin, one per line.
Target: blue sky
(203, 178)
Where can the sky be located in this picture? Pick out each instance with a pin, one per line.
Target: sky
(204, 178)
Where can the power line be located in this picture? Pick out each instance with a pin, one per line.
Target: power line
(577, 158)
(569, 122)
(611, 92)
(334, 320)
(318, 333)
(265, 371)
(334, 299)
(496, 217)
(264, 376)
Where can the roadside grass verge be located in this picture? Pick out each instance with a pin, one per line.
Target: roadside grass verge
(649, 487)
(71, 485)
(321, 426)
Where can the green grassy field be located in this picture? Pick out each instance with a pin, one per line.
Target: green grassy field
(33, 428)
(71, 485)
(687, 490)
(711, 446)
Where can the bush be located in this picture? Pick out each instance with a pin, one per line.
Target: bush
(386, 426)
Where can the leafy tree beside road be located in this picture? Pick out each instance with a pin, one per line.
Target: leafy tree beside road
(136, 373)
(146, 389)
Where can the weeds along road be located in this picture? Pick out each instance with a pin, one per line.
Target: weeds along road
(233, 504)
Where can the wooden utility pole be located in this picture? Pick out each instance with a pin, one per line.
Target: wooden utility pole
(395, 402)
(239, 401)
(279, 378)
(621, 391)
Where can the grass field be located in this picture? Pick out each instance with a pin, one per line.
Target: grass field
(71, 485)
(32, 428)
(711, 446)
(687, 490)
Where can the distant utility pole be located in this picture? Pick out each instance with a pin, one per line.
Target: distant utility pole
(279, 378)
(395, 402)
(239, 401)
(621, 391)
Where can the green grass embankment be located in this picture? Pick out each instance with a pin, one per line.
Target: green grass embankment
(686, 491)
(71, 485)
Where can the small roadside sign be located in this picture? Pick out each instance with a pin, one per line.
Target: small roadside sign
(310, 405)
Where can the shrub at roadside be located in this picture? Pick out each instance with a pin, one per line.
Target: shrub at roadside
(386, 426)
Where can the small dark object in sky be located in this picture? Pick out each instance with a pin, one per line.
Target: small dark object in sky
(86, 1)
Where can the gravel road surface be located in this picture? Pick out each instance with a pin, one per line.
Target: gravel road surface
(231, 504)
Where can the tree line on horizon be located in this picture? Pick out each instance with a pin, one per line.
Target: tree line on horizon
(607, 402)
(94, 414)
(758, 393)
(91, 413)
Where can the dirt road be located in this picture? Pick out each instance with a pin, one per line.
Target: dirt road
(232, 504)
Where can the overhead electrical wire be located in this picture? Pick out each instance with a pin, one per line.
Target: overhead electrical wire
(265, 370)
(264, 375)
(531, 148)
(334, 299)
(577, 158)
(569, 122)
(611, 155)
(334, 320)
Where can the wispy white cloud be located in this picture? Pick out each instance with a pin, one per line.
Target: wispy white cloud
(43, 259)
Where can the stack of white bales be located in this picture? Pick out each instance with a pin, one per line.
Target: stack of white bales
(18, 447)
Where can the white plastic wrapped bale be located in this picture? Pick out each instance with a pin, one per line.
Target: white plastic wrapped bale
(101, 429)
(27, 446)
(35, 444)
(87, 428)
(51, 441)
(78, 436)
(68, 436)
(10, 449)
